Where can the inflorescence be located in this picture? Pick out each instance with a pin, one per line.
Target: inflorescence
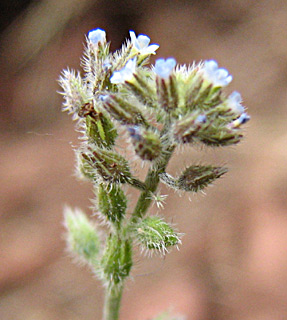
(157, 109)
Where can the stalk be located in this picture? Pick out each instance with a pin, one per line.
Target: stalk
(152, 180)
(112, 302)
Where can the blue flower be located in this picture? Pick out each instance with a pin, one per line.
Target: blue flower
(126, 73)
(219, 77)
(234, 103)
(141, 44)
(244, 117)
(163, 68)
(96, 36)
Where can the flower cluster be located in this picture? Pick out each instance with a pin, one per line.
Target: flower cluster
(157, 109)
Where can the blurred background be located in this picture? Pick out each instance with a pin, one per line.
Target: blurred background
(233, 261)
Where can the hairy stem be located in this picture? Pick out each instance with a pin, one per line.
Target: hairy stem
(151, 182)
(112, 302)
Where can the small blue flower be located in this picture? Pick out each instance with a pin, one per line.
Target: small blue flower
(126, 73)
(234, 103)
(141, 44)
(163, 68)
(201, 119)
(219, 77)
(244, 117)
(135, 133)
(96, 36)
(103, 97)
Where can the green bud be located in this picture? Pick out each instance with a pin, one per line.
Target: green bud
(117, 260)
(106, 164)
(167, 93)
(219, 137)
(123, 111)
(112, 203)
(154, 233)
(187, 128)
(99, 128)
(192, 92)
(141, 88)
(82, 238)
(196, 178)
(147, 143)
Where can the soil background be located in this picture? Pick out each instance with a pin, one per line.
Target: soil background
(232, 264)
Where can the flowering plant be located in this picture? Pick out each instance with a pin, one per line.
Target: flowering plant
(156, 109)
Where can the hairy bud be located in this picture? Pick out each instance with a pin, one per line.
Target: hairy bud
(154, 233)
(146, 143)
(99, 128)
(112, 203)
(82, 237)
(123, 111)
(117, 260)
(196, 178)
(106, 164)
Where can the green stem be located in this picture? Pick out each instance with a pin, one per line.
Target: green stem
(151, 182)
(112, 302)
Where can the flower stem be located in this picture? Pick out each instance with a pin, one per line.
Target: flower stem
(112, 302)
(151, 182)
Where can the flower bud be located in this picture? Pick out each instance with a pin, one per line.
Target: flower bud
(99, 128)
(107, 165)
(196, 178)
(82, 237)
(112, 203)
(219, 136)
(123, 111)
(154, 233)
(186, 128)
(117, 260)
(146, 143)
(167, 90)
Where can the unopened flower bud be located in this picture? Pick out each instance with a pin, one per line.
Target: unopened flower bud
(154, 233)
(106, 164)
(123, 111)
(99, 128)
(196, 178)
(167, 91)
(82, 237)
(117, 260)
(112, 203)
(186, 128)
(146, 143)
(219, 136)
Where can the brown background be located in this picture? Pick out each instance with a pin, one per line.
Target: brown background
(233, 261)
